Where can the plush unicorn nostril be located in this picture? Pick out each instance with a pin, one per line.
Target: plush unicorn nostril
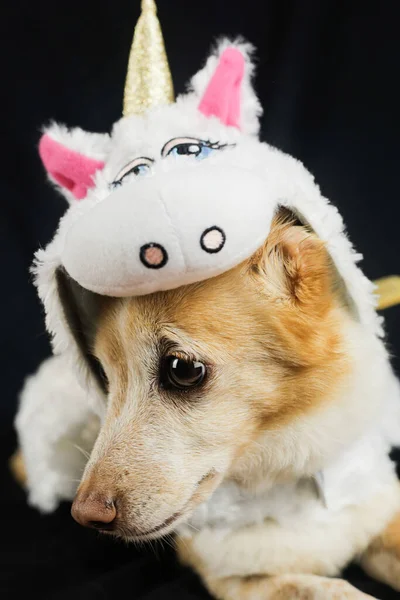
(153, 256)
(212, 239)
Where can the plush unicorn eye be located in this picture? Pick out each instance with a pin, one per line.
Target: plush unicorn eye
(138, 167)
(190, 147)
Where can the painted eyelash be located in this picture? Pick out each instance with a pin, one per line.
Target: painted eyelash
(191, 140)
(132, 164)
(218, 145)
(213, 145)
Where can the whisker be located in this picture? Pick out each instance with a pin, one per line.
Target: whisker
(85, 453)
(185, 543)
(192, 527)
(170, 540)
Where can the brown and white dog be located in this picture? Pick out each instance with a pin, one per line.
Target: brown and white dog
(252, 412)
(233, 406)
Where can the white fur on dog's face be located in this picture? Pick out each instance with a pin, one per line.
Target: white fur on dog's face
(270, 333)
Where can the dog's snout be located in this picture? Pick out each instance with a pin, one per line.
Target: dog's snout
(96, 511)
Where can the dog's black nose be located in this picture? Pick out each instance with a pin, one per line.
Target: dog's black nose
(153, 256)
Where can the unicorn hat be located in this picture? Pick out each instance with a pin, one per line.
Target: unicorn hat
(179, 191)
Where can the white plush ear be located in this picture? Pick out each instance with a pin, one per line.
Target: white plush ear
(224, 89)
(72, 158)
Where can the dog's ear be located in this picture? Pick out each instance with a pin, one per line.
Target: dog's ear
(297, 277)
(295, 264)
(82, 311)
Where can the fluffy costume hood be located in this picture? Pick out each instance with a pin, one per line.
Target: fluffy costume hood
(178, 195)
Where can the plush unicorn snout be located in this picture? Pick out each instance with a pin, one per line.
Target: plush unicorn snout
(167, 230)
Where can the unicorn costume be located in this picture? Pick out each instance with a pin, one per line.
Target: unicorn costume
(178, 192)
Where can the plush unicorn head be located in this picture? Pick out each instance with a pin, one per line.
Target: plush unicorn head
(178, 194)
(171, 196)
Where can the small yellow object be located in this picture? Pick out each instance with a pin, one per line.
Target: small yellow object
(148, 79)
(17, 467)
(388, 291)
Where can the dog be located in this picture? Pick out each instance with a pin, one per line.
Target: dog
(225, 398)
(247, 401)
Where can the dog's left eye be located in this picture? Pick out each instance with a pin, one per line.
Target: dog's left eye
(198, 149)
(181, 374)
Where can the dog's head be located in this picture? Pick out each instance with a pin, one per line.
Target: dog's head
(194, 376)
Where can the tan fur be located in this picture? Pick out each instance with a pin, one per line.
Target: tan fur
(382, 559)
(258, 587)
(17, 467)
(285, 587)
(272, 353)
(269, 330)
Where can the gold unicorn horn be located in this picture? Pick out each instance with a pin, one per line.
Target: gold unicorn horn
(148, 80)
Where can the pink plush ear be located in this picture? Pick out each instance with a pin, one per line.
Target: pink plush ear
(70, 169)
(222, 96)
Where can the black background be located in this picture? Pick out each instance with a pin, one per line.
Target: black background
(328, 79)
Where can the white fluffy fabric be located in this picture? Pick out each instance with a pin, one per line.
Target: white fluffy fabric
(250, 107)
(92, 145)
(56, 429)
